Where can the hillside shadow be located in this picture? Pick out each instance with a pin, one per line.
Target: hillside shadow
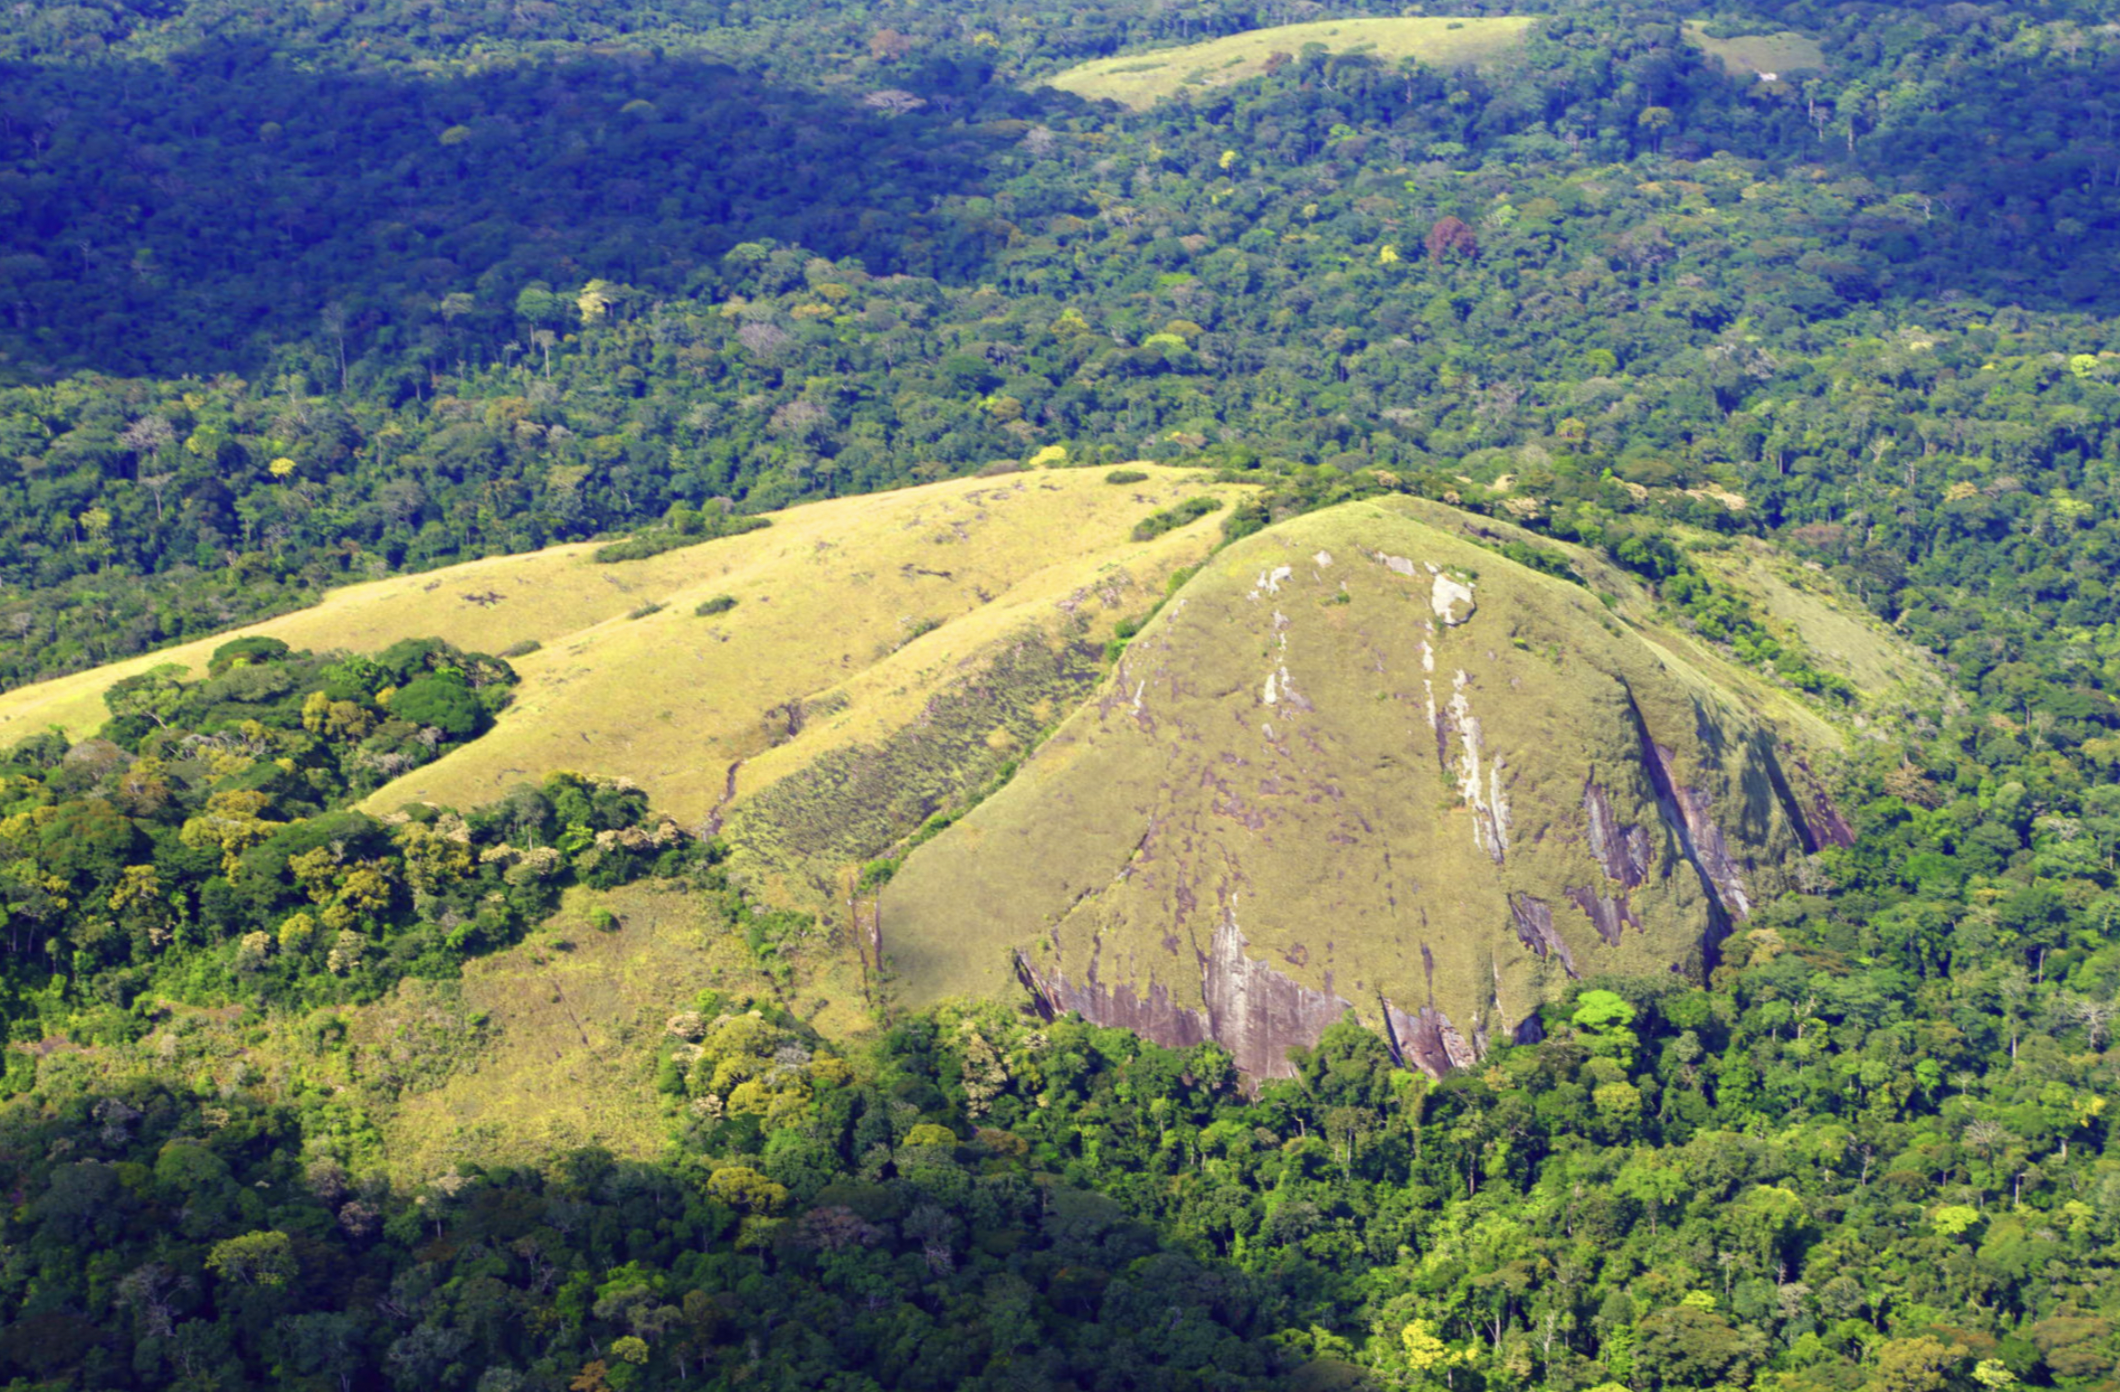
(262, 1260)
(2002, 183)
(193, 215)
(184, 217)
(2013, 184)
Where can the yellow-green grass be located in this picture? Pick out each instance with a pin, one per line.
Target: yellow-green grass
(672, 700)
(1780, 54)
(1840, 634)
(570, 1035)
(1142, 79)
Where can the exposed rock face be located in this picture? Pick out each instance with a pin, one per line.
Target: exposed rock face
(1534, 929)
(1152, 1017)
(1427, 1040)
(1251, 1007)
(1246, 1004)
(1610, 914)
(1622, 852)
(1438, 784)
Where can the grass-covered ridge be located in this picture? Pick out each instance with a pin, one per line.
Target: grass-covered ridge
(1142, 79)
(875, 598)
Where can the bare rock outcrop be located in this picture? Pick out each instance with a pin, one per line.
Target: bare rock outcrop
(1248, 1007)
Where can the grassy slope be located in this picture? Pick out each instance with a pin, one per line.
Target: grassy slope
(534, 1052)
(1845, 636)
(827, 595)
(1782, 54)
(829, 592)
(571, 1041)
(1128, 835)
(1140, 79)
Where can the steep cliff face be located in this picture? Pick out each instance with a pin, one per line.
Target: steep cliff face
(1360, 763)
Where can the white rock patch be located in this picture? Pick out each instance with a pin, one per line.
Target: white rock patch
(1483, 796)
(1451, 600)
(1270, 580)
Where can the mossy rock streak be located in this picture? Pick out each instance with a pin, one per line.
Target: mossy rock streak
(1361, 763)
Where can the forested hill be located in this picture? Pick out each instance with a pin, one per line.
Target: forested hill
(1757, 316)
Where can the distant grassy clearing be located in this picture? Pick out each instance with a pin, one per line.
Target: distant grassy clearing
(1141, 79)
(570, 1058)
(1781, 54)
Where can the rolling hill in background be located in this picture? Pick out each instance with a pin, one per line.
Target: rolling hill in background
(1142, 79)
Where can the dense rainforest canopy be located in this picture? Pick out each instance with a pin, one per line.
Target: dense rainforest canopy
(296, 296)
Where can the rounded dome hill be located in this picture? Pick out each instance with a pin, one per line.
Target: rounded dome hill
(1361, 762)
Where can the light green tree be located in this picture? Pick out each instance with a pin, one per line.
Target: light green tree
(1429, 1357)
(254, 1259)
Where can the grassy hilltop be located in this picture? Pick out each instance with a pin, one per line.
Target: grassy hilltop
(1263, 754)
(1142, 79)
